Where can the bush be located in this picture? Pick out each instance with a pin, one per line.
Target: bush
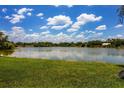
(7, 45)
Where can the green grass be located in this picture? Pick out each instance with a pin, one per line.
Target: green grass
(22, 72)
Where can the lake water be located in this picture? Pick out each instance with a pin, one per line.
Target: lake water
(71, 53)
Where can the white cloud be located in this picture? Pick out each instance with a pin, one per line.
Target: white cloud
(119, 26)
(29, 14)
(71, 29)
(60, 37)
(80, 37)
(18, 34)
(17, 29)
(34, 37)
(94, 36)
(40, 14)
(30, 30)
(4, 10)
(24, 10)
(117, 36)
(8, 17)
(41, 17)
(45, 32)
(44, 27)
(90, 31)
(82, 20)
(101, 27)
(59, 22)
(15, 9)
(16, 18)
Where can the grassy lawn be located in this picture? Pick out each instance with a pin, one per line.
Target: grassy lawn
(22, 72)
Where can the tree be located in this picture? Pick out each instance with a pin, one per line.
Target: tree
(5, 39)
(94, 43)
(1, 36)
(116, 42)
(5, 43)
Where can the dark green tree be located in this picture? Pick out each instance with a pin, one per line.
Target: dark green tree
(5, 43)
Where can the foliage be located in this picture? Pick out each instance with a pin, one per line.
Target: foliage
(5, 43)
(114, 43)
(50, 44)
(95, 43)
(6, 52)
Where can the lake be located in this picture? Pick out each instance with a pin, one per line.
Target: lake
(71, 53)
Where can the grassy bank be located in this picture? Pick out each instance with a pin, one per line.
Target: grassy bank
(22, 72)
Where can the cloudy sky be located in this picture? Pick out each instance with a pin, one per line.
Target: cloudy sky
(60, 23)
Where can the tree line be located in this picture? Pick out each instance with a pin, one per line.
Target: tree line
(109, 43)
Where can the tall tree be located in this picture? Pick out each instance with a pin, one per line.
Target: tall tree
(1, 36)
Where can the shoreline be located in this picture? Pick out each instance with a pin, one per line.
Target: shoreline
(75, 61)
(70, 47)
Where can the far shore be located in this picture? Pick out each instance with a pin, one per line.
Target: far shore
(67, 47)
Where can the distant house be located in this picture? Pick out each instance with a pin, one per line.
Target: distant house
(106, 44)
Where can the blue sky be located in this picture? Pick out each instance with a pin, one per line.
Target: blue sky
(60, 23)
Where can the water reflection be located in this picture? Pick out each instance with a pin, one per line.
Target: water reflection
(6, 52)
(71, 53)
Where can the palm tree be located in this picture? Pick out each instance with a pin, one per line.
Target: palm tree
(121, 14)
